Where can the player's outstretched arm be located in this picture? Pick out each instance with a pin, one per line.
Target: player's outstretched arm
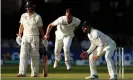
(51, 25)
(46, 36)
(49, 28)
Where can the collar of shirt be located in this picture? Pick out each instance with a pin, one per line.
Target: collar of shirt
(69, 23)
(31, 15)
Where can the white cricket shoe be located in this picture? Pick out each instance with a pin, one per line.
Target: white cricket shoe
(93, 77)
(56, 64)
(68, 66)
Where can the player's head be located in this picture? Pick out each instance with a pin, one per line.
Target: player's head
(86, 27)
(29, 6)
(69, 15)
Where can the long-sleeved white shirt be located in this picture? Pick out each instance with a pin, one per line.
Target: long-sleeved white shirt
(65, 29)
(98, 39)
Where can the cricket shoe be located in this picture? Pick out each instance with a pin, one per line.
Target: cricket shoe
(93, 77)
(114, 78)
(45, 75)
(34, 76)
(56, 63)
(68, 66)
(20, 75)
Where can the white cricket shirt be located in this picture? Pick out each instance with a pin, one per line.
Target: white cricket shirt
(31, 24)
(98, 39)
(65, 29)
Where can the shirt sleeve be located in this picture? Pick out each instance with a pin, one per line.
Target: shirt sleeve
(57, 21)
(40, 23)
(93, 37)
(78, 21)
(100, 47)
(99, 43)
(92, 48)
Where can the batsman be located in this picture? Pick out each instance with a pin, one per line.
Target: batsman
(31, 27)
(101, 44)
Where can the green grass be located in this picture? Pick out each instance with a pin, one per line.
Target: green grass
(8, 72)
(64, 76)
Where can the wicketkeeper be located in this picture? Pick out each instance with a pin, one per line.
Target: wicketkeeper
(31, 26)
(100, 44)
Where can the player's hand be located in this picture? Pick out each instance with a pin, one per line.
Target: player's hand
(19, 35)
(95, 57)
(46, 37)
(84, 55)
(18, 39)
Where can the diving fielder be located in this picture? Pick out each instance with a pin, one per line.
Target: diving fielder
(64, 35)
(30, 24)
(100, 44)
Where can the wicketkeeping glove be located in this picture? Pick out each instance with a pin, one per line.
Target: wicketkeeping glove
(18, 40)
(45, 43)
(84, 55)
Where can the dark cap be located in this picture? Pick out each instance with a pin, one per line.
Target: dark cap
(86, 23)
(29, 4)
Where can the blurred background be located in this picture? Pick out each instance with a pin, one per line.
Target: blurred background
(113, 17)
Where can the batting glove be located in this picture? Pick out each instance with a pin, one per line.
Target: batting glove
(45, 43)
(18, 40)
(84, 55)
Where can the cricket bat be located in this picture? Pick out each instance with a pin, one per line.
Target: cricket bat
(45, 58)
(45, 66)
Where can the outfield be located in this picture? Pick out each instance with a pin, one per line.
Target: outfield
(8, 72)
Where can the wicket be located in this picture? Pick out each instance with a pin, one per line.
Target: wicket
(119, 62)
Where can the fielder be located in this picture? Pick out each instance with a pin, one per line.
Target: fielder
(64, 35)
(30, 24)
(100, 44)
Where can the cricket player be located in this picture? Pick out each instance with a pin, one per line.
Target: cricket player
(31, 26)
(100, 44)
(64, 35)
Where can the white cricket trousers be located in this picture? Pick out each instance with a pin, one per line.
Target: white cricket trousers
(65, 43)
(29, 47)
(109, 51)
